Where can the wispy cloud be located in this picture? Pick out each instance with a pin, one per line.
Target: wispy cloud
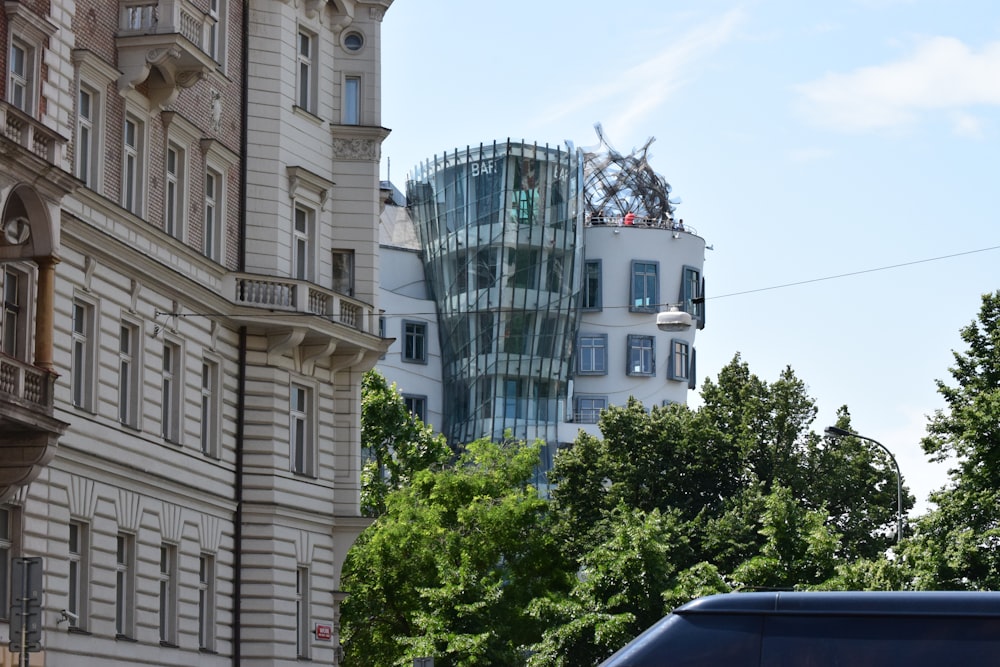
(642, 88)
(942, 74)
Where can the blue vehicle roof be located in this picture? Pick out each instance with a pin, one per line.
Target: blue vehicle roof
(880, 603)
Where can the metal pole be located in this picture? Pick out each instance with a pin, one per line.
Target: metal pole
(835, 431)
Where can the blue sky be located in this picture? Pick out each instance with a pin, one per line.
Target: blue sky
(804, 139)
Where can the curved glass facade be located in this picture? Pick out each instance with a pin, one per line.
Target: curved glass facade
(501, 233)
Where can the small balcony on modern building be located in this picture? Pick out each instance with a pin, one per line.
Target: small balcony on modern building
(29, 433)
(166, 44)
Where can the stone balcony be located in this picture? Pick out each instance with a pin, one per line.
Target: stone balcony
(163, 44)
(300, 313)
(29, 433)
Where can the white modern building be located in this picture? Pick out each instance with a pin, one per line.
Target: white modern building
(189, 204)
(524, 296)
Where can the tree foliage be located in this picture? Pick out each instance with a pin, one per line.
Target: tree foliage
(395, 442)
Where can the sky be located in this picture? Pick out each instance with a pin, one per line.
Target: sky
(841, 160)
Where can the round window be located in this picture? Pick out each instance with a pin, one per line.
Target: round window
(353, 41)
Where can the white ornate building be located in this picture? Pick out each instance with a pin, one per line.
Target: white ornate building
(189, 204)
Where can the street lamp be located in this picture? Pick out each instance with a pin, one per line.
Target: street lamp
(835, 432)
(674, 319)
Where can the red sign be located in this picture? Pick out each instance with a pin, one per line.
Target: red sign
(324, 632)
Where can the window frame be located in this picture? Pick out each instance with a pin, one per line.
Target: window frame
(78, 586)
(692, 287)
(10, 518)
(22, 83)
(133, 173)
(124, 615)
(83, 353)
(301, 429)
(86, 157)
(412, 340)
(342, 271)
(592, 297)
(303, 245)
(592, 413)
(648, 271)
(206, 601)
(637, 344)
(581, 355)
(679, 367)
(175, 190)
(16, 314)
(416, 405)
(213, 208)
(302, 607)
(167, 594)
(306, 70)
(129, 373)
(351, 99)
(210, 406)
(172, 392)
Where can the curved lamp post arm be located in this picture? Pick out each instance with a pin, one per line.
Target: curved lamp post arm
(836, 432)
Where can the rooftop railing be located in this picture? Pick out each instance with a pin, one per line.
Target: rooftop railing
(641, 222)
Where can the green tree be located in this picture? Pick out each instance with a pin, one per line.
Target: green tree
(799, 548)
(957, 544)
(395, 443)
(450, 568)
(623, 586)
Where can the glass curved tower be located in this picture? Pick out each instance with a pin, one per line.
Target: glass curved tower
(500, 227)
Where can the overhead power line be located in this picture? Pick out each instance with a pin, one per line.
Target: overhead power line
(852, 273)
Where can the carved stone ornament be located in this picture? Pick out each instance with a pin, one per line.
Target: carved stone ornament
(355, 149)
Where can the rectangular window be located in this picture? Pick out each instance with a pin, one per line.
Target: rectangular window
(692, 287)
(302, 231)
(342, 266)
(206, 602)
(128, 374)
(592, 354)
(416, 406)
(82, 368)
(514, 398)
(14, 316)
(306, 62)
(641, 357)
(210, 397)
(8, 518)
(212, 30)
(591, 285)
(680, 360)
(352, 100)
(173, 214)
(543, 400)
(645, 286)
(415, 342)
(382, 324)
(86, 136)
(301, 430)
(132, 157)
(168, 594)
(20, 80)
(302, 629)
(213, 214)
(170, 395)
(588, 408)
(124, 585)
(79, 579)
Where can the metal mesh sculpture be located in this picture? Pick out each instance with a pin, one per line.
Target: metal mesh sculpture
(616, 183)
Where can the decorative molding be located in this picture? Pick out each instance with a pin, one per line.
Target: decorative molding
(171, 523)
(304, 548)
(128, 510)
(81, 497)
(134, 290)
(210, 533)
(356, 149)
(89, 264)
(300, 178)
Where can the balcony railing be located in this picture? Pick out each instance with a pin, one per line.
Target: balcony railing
(165, 16)
(30, 133)
(641, 222)
(26, 384)
(299, 296)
